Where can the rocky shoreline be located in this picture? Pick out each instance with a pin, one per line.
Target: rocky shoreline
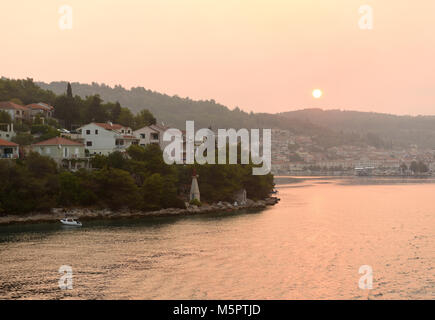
(92, 214)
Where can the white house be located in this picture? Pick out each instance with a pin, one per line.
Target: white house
(151, 134)
(105, 138)
(70, 154)
(59, 148)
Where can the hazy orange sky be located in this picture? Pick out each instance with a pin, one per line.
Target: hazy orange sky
(259, 55)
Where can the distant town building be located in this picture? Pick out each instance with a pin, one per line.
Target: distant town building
(8, 150)
(105, 138)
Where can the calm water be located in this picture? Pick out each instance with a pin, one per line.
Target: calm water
(309, 246)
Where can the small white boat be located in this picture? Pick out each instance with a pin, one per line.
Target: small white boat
(71, 222)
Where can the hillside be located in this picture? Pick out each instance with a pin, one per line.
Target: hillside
(330, 127)
(174, 111)
(400, 130)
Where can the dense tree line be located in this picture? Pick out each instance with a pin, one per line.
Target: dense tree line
(24, 92)
(138, 179)
(75, 111)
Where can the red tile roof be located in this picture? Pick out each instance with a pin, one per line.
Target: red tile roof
(58, 141)
(46, 105)
(109, 126)
(40, 106)
(5, 143)
(11, 105)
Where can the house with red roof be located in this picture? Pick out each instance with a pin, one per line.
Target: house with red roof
(8, 150)
(65, 152)
(16, 111)
(42, 109)
(105, 138)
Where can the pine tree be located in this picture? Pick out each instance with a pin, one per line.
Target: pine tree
(95, 111)
(69, 91)
(116, 112)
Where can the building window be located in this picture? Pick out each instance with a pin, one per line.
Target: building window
(122, 131)
(88, 131)
(155, 136)
(89, 143)
(96, 131)
(142, 135)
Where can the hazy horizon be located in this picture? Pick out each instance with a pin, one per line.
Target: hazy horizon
(289, 109)
(257, 55)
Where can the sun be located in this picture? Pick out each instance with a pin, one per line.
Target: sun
(317, 93)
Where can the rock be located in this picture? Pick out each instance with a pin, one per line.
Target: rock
(271, 201)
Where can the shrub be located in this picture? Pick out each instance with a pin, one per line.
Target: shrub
(195, 202)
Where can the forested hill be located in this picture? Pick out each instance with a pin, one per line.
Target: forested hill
(174, 111)
(330, 127)
(401, 130)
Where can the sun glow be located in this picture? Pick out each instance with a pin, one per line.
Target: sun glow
(317, 93)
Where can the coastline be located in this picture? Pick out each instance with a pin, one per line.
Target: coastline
(92, 214)
(347, 174)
